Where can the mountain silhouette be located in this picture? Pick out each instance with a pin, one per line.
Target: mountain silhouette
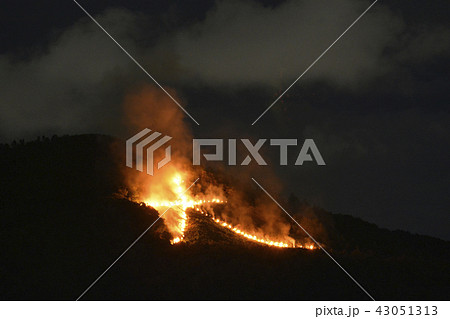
(61, 226)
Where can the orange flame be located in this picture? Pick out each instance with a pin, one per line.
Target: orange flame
(184, 201)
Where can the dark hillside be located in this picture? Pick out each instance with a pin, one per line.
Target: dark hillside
(60, 227)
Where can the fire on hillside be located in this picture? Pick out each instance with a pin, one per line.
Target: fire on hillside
(175, 217)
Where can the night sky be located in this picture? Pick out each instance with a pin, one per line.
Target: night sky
(376, 104)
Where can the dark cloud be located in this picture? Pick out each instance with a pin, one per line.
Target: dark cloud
(68, 88)
(78, 82)
(245, 43)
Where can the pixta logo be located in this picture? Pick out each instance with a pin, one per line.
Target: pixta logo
(306, 153)
(145, 140)
(149, 141)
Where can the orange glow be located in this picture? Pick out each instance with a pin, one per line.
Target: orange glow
(252, 237)
(176, 219)
(174, 211)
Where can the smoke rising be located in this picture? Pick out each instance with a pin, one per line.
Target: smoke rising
(149, 107)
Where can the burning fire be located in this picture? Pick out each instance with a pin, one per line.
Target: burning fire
(167, 190)
(242, 233)
(174, 213)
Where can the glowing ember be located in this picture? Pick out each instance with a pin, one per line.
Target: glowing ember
(176, 216)
(175, 211)
(247, 235)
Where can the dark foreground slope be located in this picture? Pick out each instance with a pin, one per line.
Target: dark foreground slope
(60, 228)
